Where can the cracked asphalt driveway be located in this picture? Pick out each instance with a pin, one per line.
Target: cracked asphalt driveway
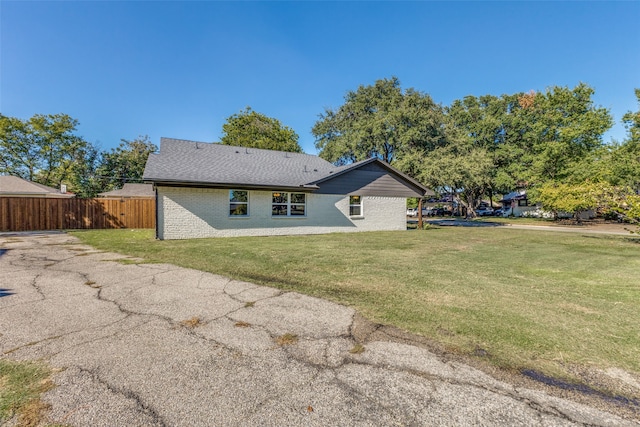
(150, 344)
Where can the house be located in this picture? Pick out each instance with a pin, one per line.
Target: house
(131, 191)
(516, 204)
(14, 186)
(215, 190)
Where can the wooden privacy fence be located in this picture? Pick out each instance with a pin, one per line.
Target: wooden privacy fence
(33, 213)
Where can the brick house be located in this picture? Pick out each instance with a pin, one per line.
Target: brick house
(215, 190)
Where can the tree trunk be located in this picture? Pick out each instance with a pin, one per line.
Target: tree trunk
(420, 226)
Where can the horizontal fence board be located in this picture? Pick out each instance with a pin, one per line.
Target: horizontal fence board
(37, 213)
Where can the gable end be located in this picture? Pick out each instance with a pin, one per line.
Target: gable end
(369, 180)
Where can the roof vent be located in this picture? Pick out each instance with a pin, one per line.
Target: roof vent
(246, 150)
(237, 151)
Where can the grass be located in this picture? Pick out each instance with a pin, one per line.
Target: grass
(287, 339)
(516, 220)
(519, 299)
(21, 384)
(191, 323)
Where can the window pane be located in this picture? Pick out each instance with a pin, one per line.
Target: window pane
(238, 209)
(277, 210)
(297, 209)
(238, 196)
(279, 197)
(354, 200)
(355, 210)
(297, 198)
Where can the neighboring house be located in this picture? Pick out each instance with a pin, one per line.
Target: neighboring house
(13, 186)
(516, 204)
(214, 190)
(131, 191)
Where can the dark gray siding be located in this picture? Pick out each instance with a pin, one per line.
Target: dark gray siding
(369, 180)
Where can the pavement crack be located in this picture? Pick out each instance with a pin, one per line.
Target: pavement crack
(129, 394)
(34, 284)
(515, 395)
(129, 312)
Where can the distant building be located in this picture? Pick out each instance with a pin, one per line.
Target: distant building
(14, 186)
(131, 191)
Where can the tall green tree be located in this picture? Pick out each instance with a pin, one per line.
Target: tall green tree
(559, 128)
(631, 121)
(488, 123)
(379, 120)
(124, 163)
(252, 129)
(626, 159)
(43, 149)
(460, 167)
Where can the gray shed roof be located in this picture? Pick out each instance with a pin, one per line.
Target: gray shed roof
(181, 162)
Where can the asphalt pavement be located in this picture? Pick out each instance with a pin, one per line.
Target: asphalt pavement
(159, 345)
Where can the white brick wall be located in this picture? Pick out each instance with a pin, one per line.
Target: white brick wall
(185, 213)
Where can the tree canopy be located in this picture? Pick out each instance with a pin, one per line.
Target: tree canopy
(42, 149)
(46, 150)
(252, 129)
(125, 163)
(477, 145)
(380, 120)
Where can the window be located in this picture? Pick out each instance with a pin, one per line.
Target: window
(355, 206)
(288, 204)
(238, 203)
(523, 202)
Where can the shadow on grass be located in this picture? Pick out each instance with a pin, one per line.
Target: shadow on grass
(465, 223)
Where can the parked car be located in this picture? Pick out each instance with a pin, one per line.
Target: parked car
(412, 212)
(484, 211)
(498, 212)
(439, 212)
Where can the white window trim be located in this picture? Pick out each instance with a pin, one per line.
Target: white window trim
(288, 205)
(361, 207)
(239, 203)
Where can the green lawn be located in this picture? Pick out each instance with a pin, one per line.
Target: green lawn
(21, 384)
(531, 299)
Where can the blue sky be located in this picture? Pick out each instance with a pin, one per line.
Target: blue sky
(180, 69)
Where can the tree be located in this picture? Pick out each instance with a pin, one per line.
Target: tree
(459, 168)
(42, 149)
(626, 159)
(486, 124)
(571, 198)
(124, 163)
(252, 129)
(631, 121)
(380, 121)
(559, 128)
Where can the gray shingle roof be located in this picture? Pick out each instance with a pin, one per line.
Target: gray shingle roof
(190, 162)
(198, 162)
(16, 186)
(131, 190)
